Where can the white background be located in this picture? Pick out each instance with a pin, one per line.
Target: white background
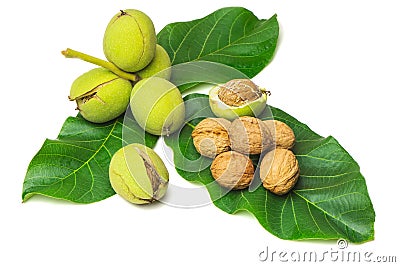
(336, 69)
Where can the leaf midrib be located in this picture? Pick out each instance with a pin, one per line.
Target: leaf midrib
(73, 172)
(97, 150)
(199, 57)
(327, 213)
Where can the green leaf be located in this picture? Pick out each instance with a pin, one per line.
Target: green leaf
(74, 167)
(329, 201)
(233, 36)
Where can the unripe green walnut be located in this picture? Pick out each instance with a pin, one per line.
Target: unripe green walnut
(100, 95)
(160, 66)
(236, 98)
(138, 174)
(130, 40)
(157, 106)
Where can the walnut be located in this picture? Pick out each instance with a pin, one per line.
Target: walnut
(249, 135)
(232, 170)
(238, 92)
(210, 137)
(279, 171)
(282, 134)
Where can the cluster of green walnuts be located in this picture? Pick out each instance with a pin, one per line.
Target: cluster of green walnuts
(137, 73)
(130, 46)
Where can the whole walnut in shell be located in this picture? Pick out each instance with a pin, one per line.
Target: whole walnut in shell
(282, 135)
(210, 137)
(249, 135)
(279, 171)
(232, 170)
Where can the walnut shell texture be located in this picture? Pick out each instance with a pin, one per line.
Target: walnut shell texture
(232, 170)
(249, 135)
(238, 92)
(279, 171)
(282, 135)
(210, 137)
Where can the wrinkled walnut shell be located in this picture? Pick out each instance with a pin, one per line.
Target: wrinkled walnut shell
(249, 135)
(210, 137)
(279, 171)
(238, 92)
(232, 170)
(238, 97)
(282, 135)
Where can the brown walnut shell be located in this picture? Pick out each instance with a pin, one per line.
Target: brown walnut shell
(232, 170)
(210, 137)
(282, 135)
(279, 171)
(249, 135)
(238, 92)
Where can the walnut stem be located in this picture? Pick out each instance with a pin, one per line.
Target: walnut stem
(69, 53)
(265, 91)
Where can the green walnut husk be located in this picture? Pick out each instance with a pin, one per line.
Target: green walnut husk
(130, 40)
(231, 111)
(160, 66)
(100, 95)
(157, 106)
(138, 174)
